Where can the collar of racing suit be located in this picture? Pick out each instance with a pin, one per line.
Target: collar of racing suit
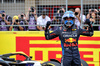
(69, 28)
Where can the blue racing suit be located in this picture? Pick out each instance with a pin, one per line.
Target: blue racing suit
(69, 42)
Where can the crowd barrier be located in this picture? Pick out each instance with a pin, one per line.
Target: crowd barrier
(33, 43)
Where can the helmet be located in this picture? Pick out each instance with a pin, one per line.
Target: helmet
(68, 14)
(16, 17)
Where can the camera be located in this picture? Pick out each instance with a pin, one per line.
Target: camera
(32, 9)
(76, 13)
(61, 12)
(3, 15)
(22, 16)
(17, 20)
(43, 27)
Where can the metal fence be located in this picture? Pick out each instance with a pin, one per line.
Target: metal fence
(90, 6)
(16, 7)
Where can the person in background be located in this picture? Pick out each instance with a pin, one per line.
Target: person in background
(42, 20)
(16, 21)
(23, 21)
(72, 10)
(60, 13)
(94, 17)
(78, 17)
(55, 21)
(4, 20)
(22, 15)
(31, 17)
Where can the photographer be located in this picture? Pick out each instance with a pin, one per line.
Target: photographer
(42, 20)
(55, 21)
(4, 20)
(92, 11)
(31, 16)
(23, 21)
(94, 16)
(60, 13)
(16, 21)
(78, 17)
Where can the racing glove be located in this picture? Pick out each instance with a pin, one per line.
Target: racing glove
(47, 25)
(90, 26)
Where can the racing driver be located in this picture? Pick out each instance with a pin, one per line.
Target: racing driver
(69, 34)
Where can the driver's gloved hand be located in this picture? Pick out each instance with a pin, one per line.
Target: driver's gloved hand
(47, 25)
(88, 22)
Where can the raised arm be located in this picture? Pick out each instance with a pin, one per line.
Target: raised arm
(88, 32)
(49, 35)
